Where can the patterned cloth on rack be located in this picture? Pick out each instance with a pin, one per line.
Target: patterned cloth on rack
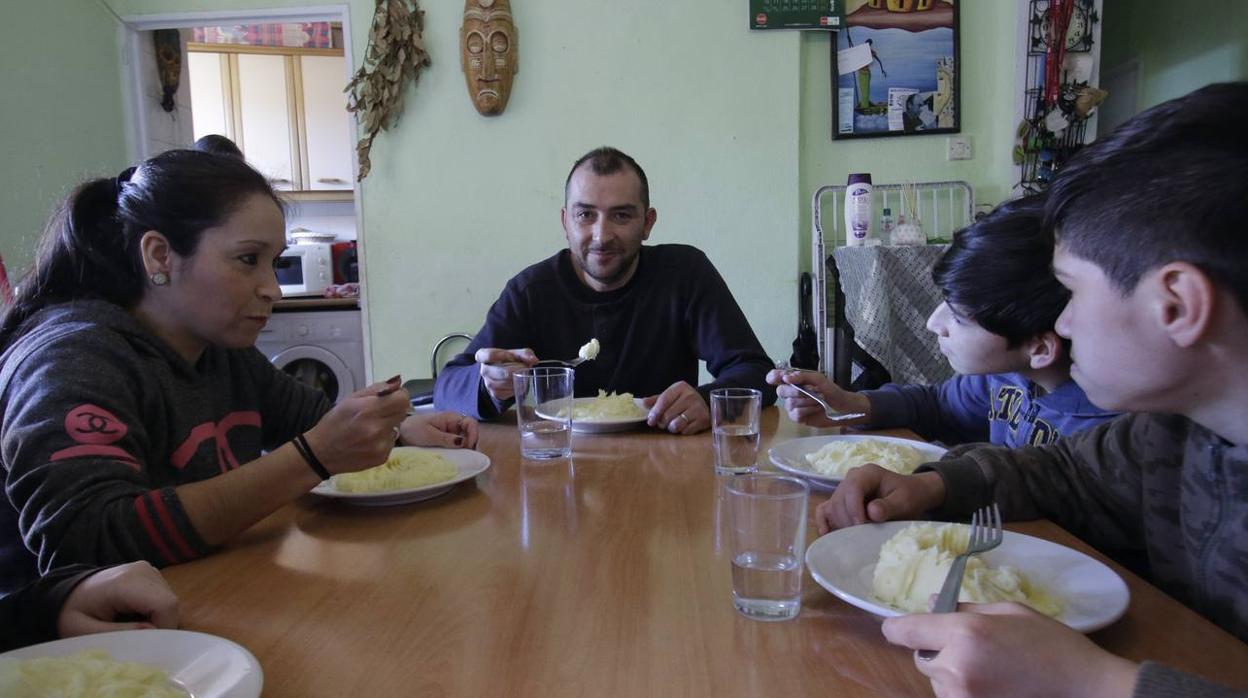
(889, 294)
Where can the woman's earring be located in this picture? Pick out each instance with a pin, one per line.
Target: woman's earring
(160, 278)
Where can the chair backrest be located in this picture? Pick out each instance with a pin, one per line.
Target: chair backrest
(434, 364)
(421, 389)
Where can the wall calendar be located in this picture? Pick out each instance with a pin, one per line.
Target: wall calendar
(796, 14)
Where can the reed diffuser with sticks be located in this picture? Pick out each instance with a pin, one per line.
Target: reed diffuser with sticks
(909, 229)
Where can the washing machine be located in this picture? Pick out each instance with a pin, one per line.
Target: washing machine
(323, 348)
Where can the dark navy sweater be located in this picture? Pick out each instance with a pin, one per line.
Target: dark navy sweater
(674, 311)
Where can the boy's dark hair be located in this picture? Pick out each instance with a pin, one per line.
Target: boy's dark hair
(607, 160)
(1170, 184)
(218, 145)
(998, 272)
(90, 247)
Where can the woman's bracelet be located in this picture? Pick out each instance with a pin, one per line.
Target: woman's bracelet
(301, 445)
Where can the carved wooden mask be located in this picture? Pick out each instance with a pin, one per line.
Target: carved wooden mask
(489, 54)
(169, 64)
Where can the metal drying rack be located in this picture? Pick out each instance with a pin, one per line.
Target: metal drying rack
(944, 207)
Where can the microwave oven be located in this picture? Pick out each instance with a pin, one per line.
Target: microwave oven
(305, 269)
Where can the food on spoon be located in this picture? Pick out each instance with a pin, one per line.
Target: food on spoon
(914, 562)
(605, 407)
(90, 673)
(406, 468)
(590, 350)
(837, 458)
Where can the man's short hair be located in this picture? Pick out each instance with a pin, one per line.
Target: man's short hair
(998, 272)
(607, 160)
(1170, 184)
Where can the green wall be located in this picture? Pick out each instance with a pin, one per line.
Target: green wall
(731, 126)
(61, 116)
(457, 203)
(988, 85)
(1180, 46)
(466, 201)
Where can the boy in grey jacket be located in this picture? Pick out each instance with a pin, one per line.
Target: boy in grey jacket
(1151, 243)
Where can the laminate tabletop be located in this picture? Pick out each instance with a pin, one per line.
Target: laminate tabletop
(601, 575)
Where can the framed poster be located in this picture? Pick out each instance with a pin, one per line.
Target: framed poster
(796, 14)
(895, 69)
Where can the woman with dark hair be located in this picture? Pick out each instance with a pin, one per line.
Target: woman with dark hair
(135, 407)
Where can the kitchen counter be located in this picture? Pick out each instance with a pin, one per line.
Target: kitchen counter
(290, 305)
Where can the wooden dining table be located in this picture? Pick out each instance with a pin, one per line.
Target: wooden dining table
(605, 574)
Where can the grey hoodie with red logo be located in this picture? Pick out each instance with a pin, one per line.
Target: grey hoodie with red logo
(102, 420)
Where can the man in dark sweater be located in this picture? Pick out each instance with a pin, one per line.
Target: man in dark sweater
(655, 311)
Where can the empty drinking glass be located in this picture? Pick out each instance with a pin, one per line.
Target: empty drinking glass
(544, 411)
(734, 429)
(766, 539)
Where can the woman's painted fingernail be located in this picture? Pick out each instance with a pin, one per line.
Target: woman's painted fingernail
(394, 378)
(459, 441)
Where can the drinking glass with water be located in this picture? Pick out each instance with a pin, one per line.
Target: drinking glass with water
(766, 539)
(544, 411)
(734, 429)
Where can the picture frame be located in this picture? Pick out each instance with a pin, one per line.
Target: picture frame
(904, 56)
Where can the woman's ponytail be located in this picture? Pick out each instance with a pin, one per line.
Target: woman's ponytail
(90, 247)
(82, 254)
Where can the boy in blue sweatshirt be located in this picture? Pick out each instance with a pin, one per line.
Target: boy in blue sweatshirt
(995, 326)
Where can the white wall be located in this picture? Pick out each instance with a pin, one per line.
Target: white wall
(165, 130)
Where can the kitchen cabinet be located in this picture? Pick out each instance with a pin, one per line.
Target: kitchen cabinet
(285, 109)
(263, 111)
(327, 123)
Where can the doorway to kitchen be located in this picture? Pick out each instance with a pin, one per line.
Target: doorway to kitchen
(271, 81)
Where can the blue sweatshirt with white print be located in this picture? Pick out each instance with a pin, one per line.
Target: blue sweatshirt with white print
(1005, 409)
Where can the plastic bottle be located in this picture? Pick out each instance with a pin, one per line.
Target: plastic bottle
(887, 223)
(859, 208)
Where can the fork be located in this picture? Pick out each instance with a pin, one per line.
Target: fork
(559, 362)
(831, 414)
(985, 535)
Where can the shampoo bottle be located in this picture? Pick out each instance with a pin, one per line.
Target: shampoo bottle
(859, 209)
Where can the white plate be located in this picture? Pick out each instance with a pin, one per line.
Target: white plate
(600, 426)
(468, 464)
(1092, 595)
(790, 456)
(206, 666)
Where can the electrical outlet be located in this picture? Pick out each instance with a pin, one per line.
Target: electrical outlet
(959, 147)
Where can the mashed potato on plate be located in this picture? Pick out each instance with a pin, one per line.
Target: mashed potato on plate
(914, 562)
(405, 469)
(606, 407)
(85, 674)
(837, 458)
